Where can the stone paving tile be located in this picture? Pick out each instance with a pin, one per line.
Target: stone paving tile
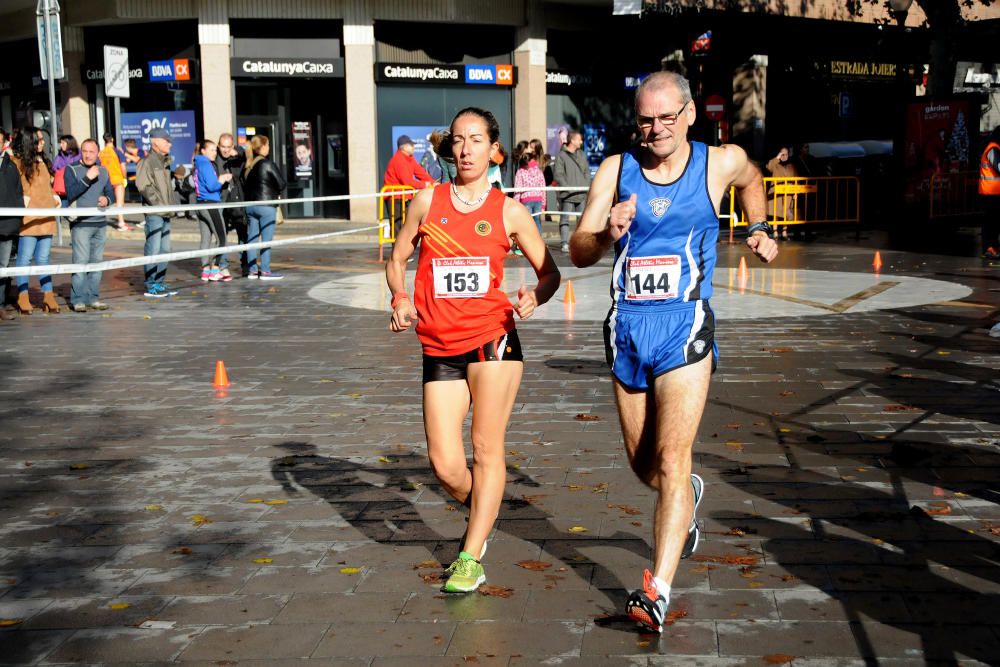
(858, 463)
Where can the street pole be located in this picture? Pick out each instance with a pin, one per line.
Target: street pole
(53, 123)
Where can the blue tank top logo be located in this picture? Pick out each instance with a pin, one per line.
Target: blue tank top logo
(668, 255)
(659, 206)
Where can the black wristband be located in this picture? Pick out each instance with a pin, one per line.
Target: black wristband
(761, 226)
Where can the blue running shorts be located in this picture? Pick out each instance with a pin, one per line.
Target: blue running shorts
(642, 343)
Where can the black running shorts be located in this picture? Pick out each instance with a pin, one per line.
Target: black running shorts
(505, 348)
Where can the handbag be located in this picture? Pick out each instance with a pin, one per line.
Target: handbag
(279, 217)
(59, 182)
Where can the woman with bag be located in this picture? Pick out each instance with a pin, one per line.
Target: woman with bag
(69, 153)
(35, 240)
(261, 182)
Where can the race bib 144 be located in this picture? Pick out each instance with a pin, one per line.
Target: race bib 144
(653, 277)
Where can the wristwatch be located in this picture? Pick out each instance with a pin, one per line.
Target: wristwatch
(761, 226)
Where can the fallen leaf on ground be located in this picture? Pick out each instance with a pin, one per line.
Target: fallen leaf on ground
(938, 508)
(577, 529)
(601, 488)
(495, 591)
(263, 560)
(153, 508)
(534, 565)
(182, 551)
(200, 520)
(637, 524)
(8, 622)
(573, 487)
(735, 427)
(587, 418)
(727, 559)
(787, 393)
(276, 502)
(643, 643)
(431, 577)
(256, 500)
(451, 508)
(386, 459)
(79, 466)
(778, 658)
(120, 605)
(898, 408)
(470, 658)
(748, 572)
(350, 570)
(427, 565)
(533, 499)
(756, 584)
(672, 616)
(735, 444)
(701, 569)
(628, 509)
(777, 349)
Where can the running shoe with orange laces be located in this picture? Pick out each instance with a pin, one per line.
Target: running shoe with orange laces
(647, 607)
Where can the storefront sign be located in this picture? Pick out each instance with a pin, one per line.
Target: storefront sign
(92, 73)
(292, 68)
(632, 82)
(556, 80)
(473, 75)
(178, 69)
(862, 69)
(180, 125)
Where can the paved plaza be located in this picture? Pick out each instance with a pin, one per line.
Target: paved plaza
(850, 449)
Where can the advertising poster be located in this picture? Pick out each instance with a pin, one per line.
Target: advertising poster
(422, 149)
(937, 141)
(555, 137)
(595, 145)
(180, 125)
(302, 148)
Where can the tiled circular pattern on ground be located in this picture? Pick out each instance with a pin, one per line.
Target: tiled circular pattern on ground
(766, 292)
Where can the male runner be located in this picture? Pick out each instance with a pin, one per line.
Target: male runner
(658, 204)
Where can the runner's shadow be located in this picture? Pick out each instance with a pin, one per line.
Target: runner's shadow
(380, 501)
(884, 559)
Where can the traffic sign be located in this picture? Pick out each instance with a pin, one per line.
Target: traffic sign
(116, 71)
(715, 107)
(47, 21)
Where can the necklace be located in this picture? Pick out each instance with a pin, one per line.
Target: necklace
(473, 203)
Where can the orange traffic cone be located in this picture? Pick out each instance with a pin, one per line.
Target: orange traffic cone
(221, 378)
(877, 264)
(741, 272)
(569, 296)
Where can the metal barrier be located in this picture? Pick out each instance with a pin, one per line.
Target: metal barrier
(955, 194)
(387, 230)
(805, 200)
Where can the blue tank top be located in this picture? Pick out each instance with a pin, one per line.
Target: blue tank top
(668, 255)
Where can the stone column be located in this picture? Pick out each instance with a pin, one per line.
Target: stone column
(74, 117)
(529, 95)
(216, 82)
(362, 149)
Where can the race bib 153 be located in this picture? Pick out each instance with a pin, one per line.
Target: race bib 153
(461, 277)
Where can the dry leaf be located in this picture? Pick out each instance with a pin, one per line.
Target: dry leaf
(79, 466)
(256, 500)
(601, 488)
(939, 508)
(153, 508)
(573, 487)
(786, 393)
(628, 509)
(577, 529)
(756, 584)
(350, 570)
(637, 524)
(182, 551)
(8, 622)
(672, 616)
(748, 572)
(386, 459)
(778, 658)
(263, 560)
(735, 427)
(534, 565)
(701, 569)
(276, 502)
(200, 520)
(427, 565)
(587, 418)
(777, 349)
(643, 643)
(533, 499)
(495, 591)
(120, 605)
(727, 559)
(431, 578)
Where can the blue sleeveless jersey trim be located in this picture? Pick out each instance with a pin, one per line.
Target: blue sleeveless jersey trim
(668, 255)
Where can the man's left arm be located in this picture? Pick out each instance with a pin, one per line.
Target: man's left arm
(746, 178)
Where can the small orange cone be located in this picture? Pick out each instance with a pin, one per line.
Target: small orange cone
(742, 272)
(570, 296)
(877, 264)
(221, 378)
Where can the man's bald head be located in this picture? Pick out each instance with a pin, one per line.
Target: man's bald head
(658, 81)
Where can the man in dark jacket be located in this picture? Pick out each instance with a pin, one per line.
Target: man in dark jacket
(11, 195)
(230, 161)
(88, 185)
(571, 170)
(154, 181)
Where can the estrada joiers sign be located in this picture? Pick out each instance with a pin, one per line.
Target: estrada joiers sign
(453, 75)
(286, 67)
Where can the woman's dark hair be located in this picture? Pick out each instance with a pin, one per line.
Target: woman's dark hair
(520, 150)
(492, 126)
(25, 149)
(72, 148)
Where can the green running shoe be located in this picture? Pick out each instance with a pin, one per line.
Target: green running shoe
(466, 576)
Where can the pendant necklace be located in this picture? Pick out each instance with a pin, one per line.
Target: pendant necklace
(473, 203)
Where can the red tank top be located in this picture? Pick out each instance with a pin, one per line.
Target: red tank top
(457, 287)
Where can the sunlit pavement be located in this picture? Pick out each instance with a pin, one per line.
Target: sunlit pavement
(850, 447)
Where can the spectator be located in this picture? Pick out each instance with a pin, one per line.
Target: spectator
(88, 185)
(11, 195)
(529, 175)
(571, 170)
(153, 180)
(208, 187)
(69, 153)
(781, 207)
(404, 169)
(183, 188)
(231, 160)
(36, 232)
(133, 155)
(113, 160)
(261, 182)
(441, 143)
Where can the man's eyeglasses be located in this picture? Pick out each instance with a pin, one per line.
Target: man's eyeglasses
(667, 119)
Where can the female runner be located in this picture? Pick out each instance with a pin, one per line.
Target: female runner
(465, 324)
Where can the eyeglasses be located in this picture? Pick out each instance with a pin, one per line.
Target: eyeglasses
(225, 146)
(667, 119)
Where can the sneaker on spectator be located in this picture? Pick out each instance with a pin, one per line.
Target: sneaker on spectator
(78, 308)
(168, 289)
(564, 247)
(270, 275)
(253, 275)
(155, 291)
(97, 305)
(205, 274)
(225, 276)
(214, 276)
